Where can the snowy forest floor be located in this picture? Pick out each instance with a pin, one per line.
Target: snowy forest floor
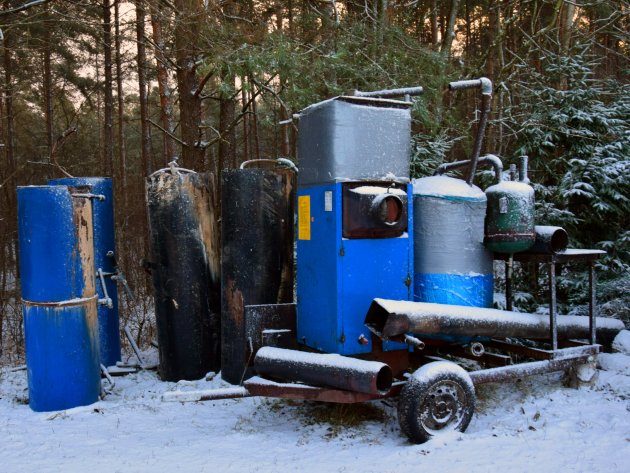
(533, 425)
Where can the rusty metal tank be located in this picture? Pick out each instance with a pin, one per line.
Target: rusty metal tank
(509, 223)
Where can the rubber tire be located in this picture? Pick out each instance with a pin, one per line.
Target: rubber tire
(415, 391)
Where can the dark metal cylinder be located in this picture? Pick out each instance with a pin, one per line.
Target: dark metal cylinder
(337, 371)
(395, 318)
(549, 239)
(185, 268)
(257, 220)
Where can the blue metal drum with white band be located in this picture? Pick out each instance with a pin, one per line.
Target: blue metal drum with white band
(59, 296)
(104, 259)
(451, 264)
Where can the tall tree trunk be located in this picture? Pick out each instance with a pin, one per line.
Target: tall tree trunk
(450, 29)
(227, 105)
(434, 24)
(188, 17)
(9, 145)
(108, 127)
(47, 85)
(166, 101)
(145, 146)
(122, 149)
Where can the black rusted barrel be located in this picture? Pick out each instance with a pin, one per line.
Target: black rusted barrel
(257, 254)
(316, 369)
(549, 239)
(185, 267)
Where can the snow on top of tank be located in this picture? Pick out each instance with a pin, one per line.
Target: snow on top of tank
(377, 190)
(447, 187)
(387, 103)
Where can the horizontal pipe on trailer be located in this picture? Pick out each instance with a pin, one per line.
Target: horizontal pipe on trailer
(505, 373)
(392, 319)
(317, 369)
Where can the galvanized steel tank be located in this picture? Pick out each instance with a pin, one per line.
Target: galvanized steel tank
(451, 265)
(59, 297)
(104, 259)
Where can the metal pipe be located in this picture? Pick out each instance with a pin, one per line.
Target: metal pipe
(389, 93)
(549, 239)
(206, 395)
(522, 169)
(491, 159)
(278, 161)
(316, 369)
(476, 349)
(391, 319)
(485, 86)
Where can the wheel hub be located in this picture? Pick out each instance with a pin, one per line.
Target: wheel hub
(442, 408)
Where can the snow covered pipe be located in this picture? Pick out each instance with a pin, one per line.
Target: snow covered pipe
(485, 86)
(549, 239)
(389, 93)
(491, 159)
(336, 371)
(391, 319)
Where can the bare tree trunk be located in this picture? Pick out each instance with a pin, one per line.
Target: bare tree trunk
(450, 29)
(434, 24)
(227, 104)
(145, 146)
(188, 17)
(166, 102)
(122, 149)
(47, 85)
(9, 145)
(568, 11)
(108, 127)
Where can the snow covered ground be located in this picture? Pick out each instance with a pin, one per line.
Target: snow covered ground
(536, 425)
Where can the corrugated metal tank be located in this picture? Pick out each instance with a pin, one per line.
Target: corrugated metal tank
(451, 265)
(104, 243)
(59, 297)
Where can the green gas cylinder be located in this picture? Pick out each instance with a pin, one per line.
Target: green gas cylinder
(510, 214)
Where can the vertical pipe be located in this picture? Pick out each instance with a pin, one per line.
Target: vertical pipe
(59, 297)
(257, 254)
(104, 243)
(509, 267)
(184, 237)
(592, 303)
(553, 307)
(522, 169)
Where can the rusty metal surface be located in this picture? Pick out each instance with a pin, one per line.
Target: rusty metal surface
(392, 319)
(257, 226)
(262, 387)
(562, 360)
(270, 325)
(184, 238)
(328, 370)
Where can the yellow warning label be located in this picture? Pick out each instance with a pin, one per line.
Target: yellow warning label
(304, 217)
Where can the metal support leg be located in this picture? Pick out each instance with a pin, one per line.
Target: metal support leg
(592, 304)
(553, 307)
(509, 267)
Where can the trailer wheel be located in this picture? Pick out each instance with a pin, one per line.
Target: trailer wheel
(438, 398)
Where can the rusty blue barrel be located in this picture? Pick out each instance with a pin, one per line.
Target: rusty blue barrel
(104, 259)
(59, 296)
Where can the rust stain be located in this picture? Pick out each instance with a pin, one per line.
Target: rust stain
(82, 213)
(235, 304)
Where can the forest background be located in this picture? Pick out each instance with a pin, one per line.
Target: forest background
(121, 89)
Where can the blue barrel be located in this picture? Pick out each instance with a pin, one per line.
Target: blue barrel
(59, 297)
(104, 245)
(451, 264)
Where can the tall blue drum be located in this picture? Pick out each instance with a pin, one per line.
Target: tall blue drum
(104, 252)
(59, 296)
